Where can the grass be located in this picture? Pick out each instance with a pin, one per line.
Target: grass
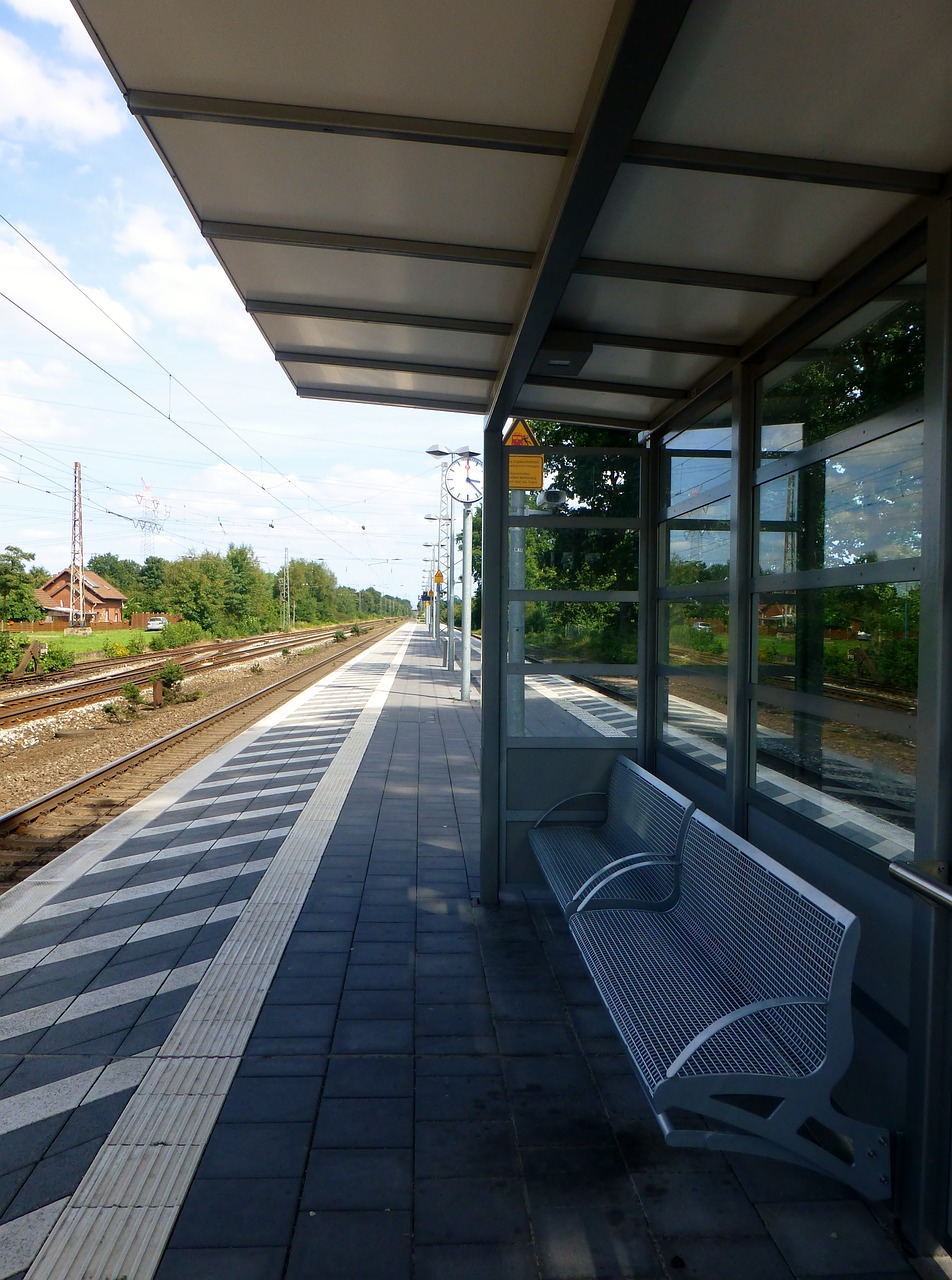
(85, 644)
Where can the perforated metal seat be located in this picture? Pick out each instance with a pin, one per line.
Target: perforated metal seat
(734, 1004)
(601, 865)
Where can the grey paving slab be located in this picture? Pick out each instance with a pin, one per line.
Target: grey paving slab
(831, 1238)
(351, 1245)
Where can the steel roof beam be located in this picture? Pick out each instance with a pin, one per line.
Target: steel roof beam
(512, 259)
(448, 404)
(548, 142)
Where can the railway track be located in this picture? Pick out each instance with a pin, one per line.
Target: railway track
(34, 833)
(47, 697)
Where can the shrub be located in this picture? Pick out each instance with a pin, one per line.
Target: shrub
(11, 650)
(179, 633)
(115, 649)
(58, 658)
(355, 630)
(171, 676)
(339, 637)
(135, 644)
(256, 668)
(133, 696)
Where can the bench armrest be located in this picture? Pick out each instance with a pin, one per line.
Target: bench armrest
(582, 795)
(746, 1011)
(604, 875)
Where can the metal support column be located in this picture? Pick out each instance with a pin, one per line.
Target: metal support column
(741, 637)
(648, 503)
(493, 580)
(925, 1208)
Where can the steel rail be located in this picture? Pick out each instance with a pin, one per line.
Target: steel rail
(16, 817)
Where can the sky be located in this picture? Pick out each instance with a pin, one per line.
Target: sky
(124, 347)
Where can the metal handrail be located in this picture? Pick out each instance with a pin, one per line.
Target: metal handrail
(910, 874)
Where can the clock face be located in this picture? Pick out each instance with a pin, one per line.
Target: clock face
(464, 480)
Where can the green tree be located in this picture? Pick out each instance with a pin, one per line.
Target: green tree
(17, 602)
(195, 586)
(123, 574)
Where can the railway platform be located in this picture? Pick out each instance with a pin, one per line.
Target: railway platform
(260, 1028)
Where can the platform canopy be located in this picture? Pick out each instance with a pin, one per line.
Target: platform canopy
(580, 209)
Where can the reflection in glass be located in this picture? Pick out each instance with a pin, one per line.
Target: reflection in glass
(564, 559)
(698, 461)
(606, 484)
(694, 633)
(698, 545)
(861, 784)
(859, 507)
(694, 719)
(866, 366)
(860, 642)
(572, 631)
(552, 706)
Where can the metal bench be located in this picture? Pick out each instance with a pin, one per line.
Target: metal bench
(632, 856)
(734, 1006)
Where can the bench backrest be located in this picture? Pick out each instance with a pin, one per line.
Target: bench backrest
(771, 931)
(643, 812)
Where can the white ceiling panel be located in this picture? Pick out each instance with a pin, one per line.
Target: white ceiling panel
(373, 280)
(620, 364)
(665, 310)
(363, 186)
(728, 223)
(391, 341)
(333, 377)
(495, 61)
(555, 400)
(860, 80)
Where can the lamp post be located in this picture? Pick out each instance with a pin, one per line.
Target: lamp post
(446, 455)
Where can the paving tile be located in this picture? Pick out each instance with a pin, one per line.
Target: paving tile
(576, 1176)
(378, 977)
(309, 1066)
(53, 1178)
(461, 1097)
(295, 1020)
(470, 1210)
(91, 1121)
(364, 1122)
(831, 1238)
(256, 1151)
(466, 1148)
(699, 1259)
(681, 1201)
(458, 1019)
(374, 1035)
(369, 1077)
(575, 1119)
(26, 1146)
(376, 1004)
(222, 1264)
(775, 1180)
(269, 1100)
(584, 1241)
(208, 1218)
(474, 1262)
(357, 1245)
(359, 1179)
(10, 1184)
(540, 1038)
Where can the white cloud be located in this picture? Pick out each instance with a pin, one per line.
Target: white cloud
(59, 13)
(41, 100)
(37, 290)
(194, 296)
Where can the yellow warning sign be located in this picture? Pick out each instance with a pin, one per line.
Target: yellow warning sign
(438, 577)
(521, 436)
(525, 456)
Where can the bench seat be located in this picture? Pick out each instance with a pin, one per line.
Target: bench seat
(734, 1005)
(585, 863)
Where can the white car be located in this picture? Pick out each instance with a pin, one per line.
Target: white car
(156, 624)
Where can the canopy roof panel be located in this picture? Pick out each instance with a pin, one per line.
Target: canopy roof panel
(585, 207)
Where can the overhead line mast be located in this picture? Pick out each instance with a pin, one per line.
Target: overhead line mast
(77, 585)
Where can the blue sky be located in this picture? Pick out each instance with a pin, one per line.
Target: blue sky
(83, 194)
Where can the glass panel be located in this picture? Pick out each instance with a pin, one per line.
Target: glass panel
(866, 366)
(698, 545)
(859, 507)
(694, 719)
(859, 783)
(698, 461)
(540, 705)
(859, 642)
(694, 632)
(567, 631)
(608, 484)
(561, 559)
